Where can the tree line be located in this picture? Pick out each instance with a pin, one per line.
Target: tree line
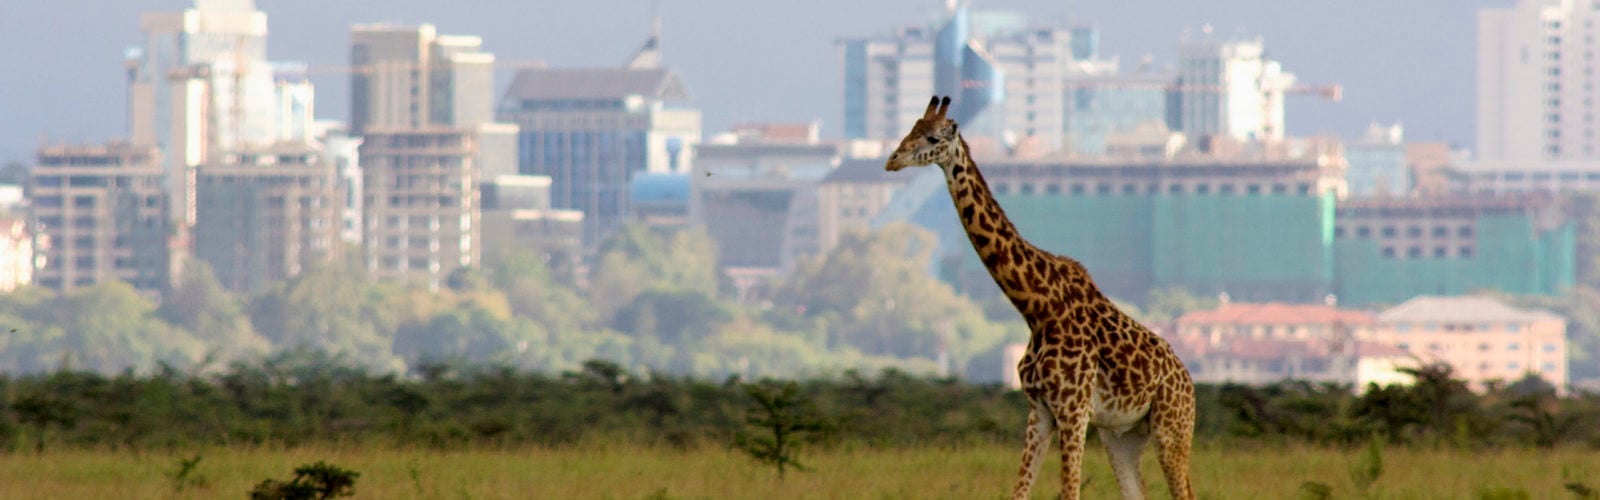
(306, 397)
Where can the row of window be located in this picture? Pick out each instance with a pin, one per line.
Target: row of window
(1365, 232)
(1415, 252)
(1511, 327)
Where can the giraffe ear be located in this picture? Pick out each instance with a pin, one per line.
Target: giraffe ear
(944, 106)
(932, 106)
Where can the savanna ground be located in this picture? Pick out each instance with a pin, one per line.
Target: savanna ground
(839, 472)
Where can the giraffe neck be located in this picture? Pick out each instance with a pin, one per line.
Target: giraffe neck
(1006, 255)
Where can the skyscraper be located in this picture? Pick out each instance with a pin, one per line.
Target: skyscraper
(201, 85)
(1230, 89)
(99, 214)
(411, 76)
(1007, 79)
(420, 208)
(267, 215)
(1536, 81)
(592, 129)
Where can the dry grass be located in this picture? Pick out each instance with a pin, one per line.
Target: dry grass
(632, 473)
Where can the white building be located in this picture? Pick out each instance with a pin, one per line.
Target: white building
(200, 86)
(413, 77)
(1230, 89)
(1536, 81)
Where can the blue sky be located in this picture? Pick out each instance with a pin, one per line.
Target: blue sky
(1411, 60)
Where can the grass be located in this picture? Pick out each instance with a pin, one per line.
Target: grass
(845, 472)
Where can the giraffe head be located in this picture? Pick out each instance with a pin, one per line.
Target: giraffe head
(931, 140)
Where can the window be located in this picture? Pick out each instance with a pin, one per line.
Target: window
(1338, 231)
(1464, 232)
(1548, 367)
(1514, 346)
(1483, 347)
(1464, 252)
(1389, 232)
(1388, 252)
(1364, 232)
(1549, 347)
(1513, 365)
(1513, 327)
(1414, 252)
(1402, 327)
(1440, 252)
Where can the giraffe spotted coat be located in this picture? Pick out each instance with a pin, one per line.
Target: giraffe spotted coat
(1087, 363)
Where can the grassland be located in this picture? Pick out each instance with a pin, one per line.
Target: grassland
(845, 472)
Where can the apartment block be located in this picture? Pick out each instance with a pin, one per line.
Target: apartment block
(1272, 342)
(1391, 249)
(755, 191)
(267, 215)
(517, 215)
(1536, 81)
(1482, 338)
(421, 212)
(591, 130)
(414, 77)
(99, 213)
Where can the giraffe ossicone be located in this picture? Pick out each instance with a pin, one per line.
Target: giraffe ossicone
(1087, 364)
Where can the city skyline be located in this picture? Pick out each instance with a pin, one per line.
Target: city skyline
(791, 47)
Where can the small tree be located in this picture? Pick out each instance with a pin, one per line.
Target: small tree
(319, 481)
(777, 423)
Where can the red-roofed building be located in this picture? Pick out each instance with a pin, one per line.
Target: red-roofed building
(1266, 343)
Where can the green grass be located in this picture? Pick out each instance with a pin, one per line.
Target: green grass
(845, 472)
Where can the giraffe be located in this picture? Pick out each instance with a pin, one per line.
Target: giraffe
(1087, 363)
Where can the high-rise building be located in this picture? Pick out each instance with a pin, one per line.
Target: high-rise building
(760, 200)
(1229, 89)
(420, 209)
(1102, 106)
(266, 215)
(1007, 80)
(1536, 81)
(413, 77)
(592, 129)
(1378, 164)
(99, 213)
(200, 85)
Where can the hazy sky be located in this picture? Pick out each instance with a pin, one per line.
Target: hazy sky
(750, 60)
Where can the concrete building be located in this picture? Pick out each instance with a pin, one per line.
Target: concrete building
(1230, 89)
(1265, 343)
(755, 191)
(1536, 81)
(1101, 106)
(659, 201)
(16, 253)
(517, 215)
(1389, 250)
(420, 205)
(1255, 227)
(413, 77)
(1378, 164)
(200, 85)
(1482, 338)
(266, 215)
(1495, 177)
(99, 213)
(592, 130)
(1007, 80)
(853, 197)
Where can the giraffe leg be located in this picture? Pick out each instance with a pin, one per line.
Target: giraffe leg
(1172, 422)
(1124, 450)
(1040, 426)
(1072, 421)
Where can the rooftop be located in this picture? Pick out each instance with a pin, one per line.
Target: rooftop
(595, 83)
(1277, 313)
(1469, 309)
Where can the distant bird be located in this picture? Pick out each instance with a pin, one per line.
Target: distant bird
(708, 173)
